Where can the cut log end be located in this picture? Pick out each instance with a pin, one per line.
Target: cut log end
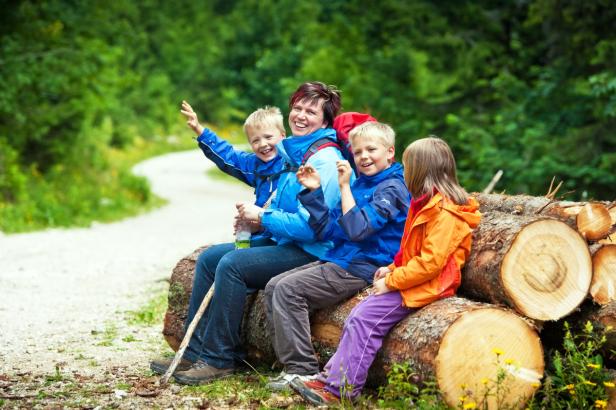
(594, 221)
(480, 343)
(603, 285)
(547, 271)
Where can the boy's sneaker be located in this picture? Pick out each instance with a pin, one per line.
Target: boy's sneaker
(283, 381)
(314, 392)
(160, 366)
(201, 373)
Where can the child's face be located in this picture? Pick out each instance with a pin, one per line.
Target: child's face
(371, 156)
(263, 141)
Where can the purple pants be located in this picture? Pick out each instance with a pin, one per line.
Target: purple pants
(364, 330)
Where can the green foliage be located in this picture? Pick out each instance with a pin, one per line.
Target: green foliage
(404, 391)
(528, 87)
(576, 378)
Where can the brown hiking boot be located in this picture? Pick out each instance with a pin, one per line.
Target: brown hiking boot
(160, 366)
(201, 373)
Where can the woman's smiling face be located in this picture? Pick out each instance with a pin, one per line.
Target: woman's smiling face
(306, 116)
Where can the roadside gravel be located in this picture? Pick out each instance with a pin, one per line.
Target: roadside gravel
(64, 293)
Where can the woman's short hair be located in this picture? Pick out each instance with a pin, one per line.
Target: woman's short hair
(316, 90)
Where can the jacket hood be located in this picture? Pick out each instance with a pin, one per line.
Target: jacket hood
(293, 149)
(468, 212)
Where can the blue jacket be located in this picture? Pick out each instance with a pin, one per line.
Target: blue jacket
(368, 236)
(245, 166)
(286, 220)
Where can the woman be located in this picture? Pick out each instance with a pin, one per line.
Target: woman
(214, 348)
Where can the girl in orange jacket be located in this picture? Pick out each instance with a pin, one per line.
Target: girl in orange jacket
(434, 246)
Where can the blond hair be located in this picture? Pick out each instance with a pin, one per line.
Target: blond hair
(429, 164)
(377, 130)
(264, 118)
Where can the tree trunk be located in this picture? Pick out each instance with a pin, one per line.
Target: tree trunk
(540, 267)
(603, 284)
(180, 287)
(429, 339)
(592, 220)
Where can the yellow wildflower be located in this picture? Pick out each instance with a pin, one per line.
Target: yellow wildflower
(536, 385)
(589, 383)
(497, 351)
(608, 384)
(570, 386)
(508, 361)
(600, 404)
(593, 366)
(485, 380)
(471, 405)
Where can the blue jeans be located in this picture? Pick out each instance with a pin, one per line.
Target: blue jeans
(216, 339)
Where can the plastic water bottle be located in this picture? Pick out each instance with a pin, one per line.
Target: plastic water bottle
(242, 235)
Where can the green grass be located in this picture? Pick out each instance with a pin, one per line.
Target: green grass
(151, 313)
(102, 190)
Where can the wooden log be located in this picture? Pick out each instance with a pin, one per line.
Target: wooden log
(603, 284)
(538, 266)
(430, 339)
(591, 219)
(180, 286)
(594, 221)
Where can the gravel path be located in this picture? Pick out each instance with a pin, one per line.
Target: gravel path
(60, 288)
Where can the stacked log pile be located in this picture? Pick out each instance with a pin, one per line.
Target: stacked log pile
(533, 260)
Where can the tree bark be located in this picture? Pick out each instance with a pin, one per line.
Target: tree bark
(592, 219)
(538, 266)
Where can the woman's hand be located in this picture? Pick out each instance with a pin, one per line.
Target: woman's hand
(381, 272)
(379, 287)
(193, 121)
(308, 176)
(252, 226)
(249, 212)
(344, 172)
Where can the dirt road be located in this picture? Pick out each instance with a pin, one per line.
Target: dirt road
(61, 289)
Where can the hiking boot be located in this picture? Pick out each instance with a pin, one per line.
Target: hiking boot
(201, 373)
(314, 392)
(282, 382)
(160, 366)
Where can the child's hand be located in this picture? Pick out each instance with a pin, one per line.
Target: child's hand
(381, 272)
(344, 172)
(193, 121)
(248, 211)
(379, 287)
(308, 176)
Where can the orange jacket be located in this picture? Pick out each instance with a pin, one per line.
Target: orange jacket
(434, 246)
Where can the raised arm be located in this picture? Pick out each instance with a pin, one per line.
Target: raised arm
(237, 163)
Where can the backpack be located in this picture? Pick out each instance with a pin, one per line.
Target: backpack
(343, 124)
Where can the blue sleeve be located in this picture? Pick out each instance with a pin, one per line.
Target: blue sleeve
(388, 201)
(322, 220)
(238, 164)
(293, 224)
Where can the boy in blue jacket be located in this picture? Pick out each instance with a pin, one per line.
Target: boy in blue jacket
(366, 230)
(261, 169)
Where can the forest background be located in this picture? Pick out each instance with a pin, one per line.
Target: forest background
(526, 86)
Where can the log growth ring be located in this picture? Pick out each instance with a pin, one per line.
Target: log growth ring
(467, 356)
(547, 271)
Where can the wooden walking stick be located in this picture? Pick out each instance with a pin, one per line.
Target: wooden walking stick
(188, 335)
